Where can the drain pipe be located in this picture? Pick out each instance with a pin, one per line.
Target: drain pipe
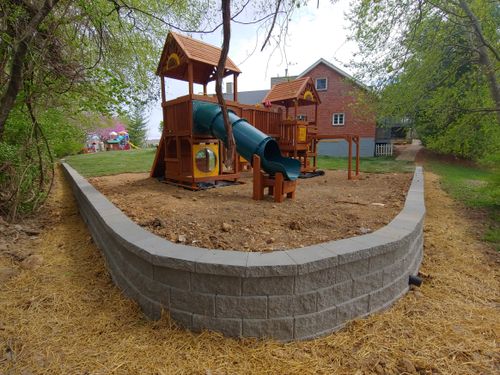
(414, 280)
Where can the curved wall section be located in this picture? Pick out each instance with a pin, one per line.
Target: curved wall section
(286, 295)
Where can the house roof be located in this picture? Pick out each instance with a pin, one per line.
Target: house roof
(248, 97)
(203, 56)
(300, 90)
(336, 69)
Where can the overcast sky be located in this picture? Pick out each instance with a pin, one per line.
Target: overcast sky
(313, 34)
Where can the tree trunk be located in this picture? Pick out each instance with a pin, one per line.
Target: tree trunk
(221, 66)
(484, 58)
(19, 54)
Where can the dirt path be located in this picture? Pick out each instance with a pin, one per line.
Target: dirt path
(66, 317)
(409, 152)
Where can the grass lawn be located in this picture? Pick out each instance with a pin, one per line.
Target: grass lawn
(113, 162)
(371, 165)
(475, 187)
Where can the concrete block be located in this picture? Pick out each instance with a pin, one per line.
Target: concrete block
(279, 329)
(352, 309)
(315, 280)
(182, 318)
(152, 289)
(228, 327)
(139, 263)
(393, 272)
(381, 261)
(366, 284)
(240, 307)
(312, 324)
(276, 263)
(312, 258)
(215, 284)
(222, 262)
(172, 277)
(335, 295)
(349, 271)
(346, 250)
(291, 305)
(203, 304)
(388, 293)
(258, 286)
(167, 254)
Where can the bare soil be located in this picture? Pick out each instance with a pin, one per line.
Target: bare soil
(63, 315)
(328, 207)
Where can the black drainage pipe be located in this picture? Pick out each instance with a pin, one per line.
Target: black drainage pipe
(415, 280)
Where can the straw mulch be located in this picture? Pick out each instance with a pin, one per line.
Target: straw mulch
(66, 316)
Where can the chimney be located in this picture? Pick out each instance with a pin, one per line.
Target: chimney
(229, 88)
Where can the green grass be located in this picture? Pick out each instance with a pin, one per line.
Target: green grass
(476, 188)
(371, 165)
(113, 162)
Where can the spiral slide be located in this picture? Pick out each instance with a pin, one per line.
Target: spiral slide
(208, 120)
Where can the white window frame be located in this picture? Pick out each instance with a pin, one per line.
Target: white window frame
(338, 115)
(316, 84)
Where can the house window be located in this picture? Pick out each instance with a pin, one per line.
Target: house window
(338, 119)
(321, 84)
(302, 117)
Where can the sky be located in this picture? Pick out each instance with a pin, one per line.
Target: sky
(313, 33)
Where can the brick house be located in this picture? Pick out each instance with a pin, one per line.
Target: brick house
(340, 111)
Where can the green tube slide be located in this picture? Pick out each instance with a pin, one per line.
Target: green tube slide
(249, 140)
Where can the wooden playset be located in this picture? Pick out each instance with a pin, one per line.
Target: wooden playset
(191, 148)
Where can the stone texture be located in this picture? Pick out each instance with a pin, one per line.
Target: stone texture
(281, 306)
(366, 284)
(357, 307)
(351, 270)
(279, 329)
(278, 285)
(241, 307)
(307, 325)
(216, 284)
(335, 295)
(197, 303)
(315, 280)
(172, 277)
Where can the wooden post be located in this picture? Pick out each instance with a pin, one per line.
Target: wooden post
(286, 113)
(205, 89)
(349, 160)
(235, 87)
(257, 179)
(316, 114)
(296, 105)
(163, 93)
(357, 155)
(278, 187)
(190, 78)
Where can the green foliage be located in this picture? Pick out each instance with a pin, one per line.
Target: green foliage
(137, 126)
(423, 58)
(113, 162)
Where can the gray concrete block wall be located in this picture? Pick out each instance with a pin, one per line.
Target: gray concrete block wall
(287, 295)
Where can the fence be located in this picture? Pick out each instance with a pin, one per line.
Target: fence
(383, 149)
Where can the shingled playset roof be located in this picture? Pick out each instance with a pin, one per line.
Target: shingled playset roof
(204, 57)
(286, 93)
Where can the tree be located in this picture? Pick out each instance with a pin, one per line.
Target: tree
(434, 62)
(137, 126)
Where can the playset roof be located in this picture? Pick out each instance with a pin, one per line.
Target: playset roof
(180, 50)
(301, 90)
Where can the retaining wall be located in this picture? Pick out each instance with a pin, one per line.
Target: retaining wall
(287, 295)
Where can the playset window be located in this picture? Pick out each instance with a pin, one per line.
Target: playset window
(338, 119)
(302, 117)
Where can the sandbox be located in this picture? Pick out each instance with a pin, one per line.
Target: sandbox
(287, 295)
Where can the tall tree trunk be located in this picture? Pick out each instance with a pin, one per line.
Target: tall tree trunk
(484, 58)
(221, 66)
(19, 54)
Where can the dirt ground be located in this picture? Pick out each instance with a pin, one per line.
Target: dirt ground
(326, 208)
(61, 314)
